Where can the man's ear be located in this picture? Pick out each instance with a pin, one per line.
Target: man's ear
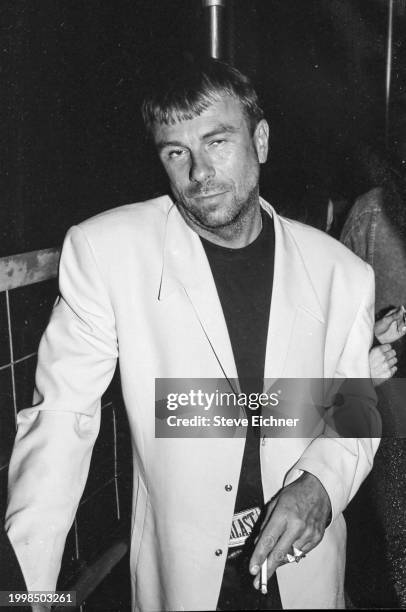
(261, 137)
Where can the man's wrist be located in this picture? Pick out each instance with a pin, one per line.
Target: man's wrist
(312, 481)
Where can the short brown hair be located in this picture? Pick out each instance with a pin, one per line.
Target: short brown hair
(185, 91)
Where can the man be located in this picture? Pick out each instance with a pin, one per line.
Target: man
(216, 286)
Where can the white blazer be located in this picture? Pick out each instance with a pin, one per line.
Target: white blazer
(135, 284)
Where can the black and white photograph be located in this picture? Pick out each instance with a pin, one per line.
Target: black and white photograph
(203, 305)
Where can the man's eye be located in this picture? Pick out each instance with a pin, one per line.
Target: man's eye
(216, 143)
(175, 153)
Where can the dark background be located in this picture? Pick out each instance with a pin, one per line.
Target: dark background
(72, 76)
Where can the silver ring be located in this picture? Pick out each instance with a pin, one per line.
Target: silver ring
(298, 554)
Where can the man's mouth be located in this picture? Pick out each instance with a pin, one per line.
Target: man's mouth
(209, 196)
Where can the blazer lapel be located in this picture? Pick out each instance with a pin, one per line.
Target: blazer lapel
(292, 289)
(186, 269)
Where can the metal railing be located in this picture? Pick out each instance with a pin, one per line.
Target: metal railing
(82, 570)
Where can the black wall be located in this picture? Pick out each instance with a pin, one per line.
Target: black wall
(72, 76)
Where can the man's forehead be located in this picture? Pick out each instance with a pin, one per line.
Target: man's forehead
(225, 114)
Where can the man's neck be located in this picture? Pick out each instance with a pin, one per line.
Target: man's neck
(236, 235)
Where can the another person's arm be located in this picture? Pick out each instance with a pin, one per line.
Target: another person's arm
(392, 326)
(382, 358)
(382, 363)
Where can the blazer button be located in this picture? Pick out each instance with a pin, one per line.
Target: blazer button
(228, 488)
(218, 552)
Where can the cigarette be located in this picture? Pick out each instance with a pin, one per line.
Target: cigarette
(264, 579)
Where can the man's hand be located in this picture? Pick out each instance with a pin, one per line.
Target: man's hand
(392, 326)
(382, 363)
(296, 517)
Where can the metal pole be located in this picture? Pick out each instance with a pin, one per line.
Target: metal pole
(215, 10)
(388, 70)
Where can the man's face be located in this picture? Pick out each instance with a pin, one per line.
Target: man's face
(212, 162)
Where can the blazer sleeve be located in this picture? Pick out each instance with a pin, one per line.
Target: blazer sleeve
(342, 463)
(52, 451)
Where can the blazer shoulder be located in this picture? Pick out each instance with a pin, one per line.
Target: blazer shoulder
(140, 216)
(318, 249)
(126, 232)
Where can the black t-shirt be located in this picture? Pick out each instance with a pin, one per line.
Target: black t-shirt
(244, 280)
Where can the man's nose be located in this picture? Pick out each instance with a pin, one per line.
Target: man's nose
(201, 169)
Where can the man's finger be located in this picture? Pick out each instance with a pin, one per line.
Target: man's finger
(281, 550)
(269, 511)
(309, 539)
(275, 542)
(286, 545)
(266, 543)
